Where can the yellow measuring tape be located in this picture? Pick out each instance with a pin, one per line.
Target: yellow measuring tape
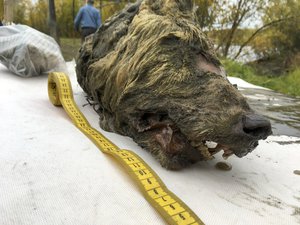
(171, 208)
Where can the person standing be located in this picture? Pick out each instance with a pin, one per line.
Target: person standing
(87, 20)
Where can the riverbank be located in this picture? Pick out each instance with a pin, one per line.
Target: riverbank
(287, 83)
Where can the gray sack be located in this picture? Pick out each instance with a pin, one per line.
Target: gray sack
(28, 52)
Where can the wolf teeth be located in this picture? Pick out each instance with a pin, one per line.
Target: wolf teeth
(211, 144)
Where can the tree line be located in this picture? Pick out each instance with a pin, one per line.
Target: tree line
(270, 27)
(37, 14)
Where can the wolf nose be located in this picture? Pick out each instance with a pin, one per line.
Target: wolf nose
(257, 126)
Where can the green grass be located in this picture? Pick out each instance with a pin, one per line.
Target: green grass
(287, 83)
(70, 47)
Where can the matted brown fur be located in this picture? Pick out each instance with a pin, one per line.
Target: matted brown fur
(157, 79)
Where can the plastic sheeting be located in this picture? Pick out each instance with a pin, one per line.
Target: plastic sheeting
(28, 52)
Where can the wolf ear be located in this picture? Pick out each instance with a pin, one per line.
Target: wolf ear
(185, 5)
(161, 5)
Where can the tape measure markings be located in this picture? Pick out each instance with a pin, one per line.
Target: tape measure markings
(172, 209)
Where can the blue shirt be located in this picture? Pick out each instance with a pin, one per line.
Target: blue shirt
(88, 16)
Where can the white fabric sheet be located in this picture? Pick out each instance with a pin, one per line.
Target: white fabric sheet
(50, 173)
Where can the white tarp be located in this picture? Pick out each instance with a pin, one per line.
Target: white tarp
(51, 173)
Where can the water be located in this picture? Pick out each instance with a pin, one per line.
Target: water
(282, 110)
(247, 55)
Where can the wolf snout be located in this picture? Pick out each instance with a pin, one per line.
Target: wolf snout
(256, 126)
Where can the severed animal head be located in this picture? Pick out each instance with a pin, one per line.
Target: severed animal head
(157, 79)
